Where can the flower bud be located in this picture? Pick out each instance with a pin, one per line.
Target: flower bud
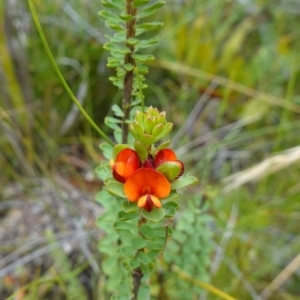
(171, 170)
(149, 124)
(167, 129)
(139, 118)
(157, 129)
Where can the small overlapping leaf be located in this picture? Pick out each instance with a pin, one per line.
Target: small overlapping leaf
(155, 215)
(183, 182)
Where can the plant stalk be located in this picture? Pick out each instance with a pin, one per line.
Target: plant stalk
(137, 274)
(128, 78)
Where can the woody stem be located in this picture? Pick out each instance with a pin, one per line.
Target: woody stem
(128, 78)
(137, 273)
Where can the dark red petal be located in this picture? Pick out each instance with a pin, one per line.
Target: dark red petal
(118, 174)
(149, 162)
(182, 168)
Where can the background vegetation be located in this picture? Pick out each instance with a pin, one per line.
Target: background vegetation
(226, 73)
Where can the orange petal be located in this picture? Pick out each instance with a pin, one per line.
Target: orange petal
(148, 202)
(164, 155)
(132, 164)
(146, 181)
(127, 162)
(119, 172)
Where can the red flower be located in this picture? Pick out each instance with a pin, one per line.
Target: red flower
(167, 155)
(146, 187)
(127, 161)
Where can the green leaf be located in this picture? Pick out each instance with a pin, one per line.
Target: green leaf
(103, 171)
(108, 16)
(149, 10)
(104, 198)
(126, 17)
(155, 244)
(128, 67)
(130, 206)
(123, 216)
(117, 110)
(138, 3)
(127, 234)
(132, 41)
(144, 292)
(113, 120)
(171, 208)
(116, 189)
(155, 215)
(143, 258)
(145, 269)
(141, 44)
(106, 150)
(147, 27)
(114, 4)
(153, 254)
(143, 57)
(120, 225)
(183, 181)
(173, 195)
(120, 72)
(111, 123)
(126, 251)
(114, 26)
(139, 243)
(134, 263)
(113, 64)
(147, 231)
(161, 231)
(142, 69)
(118, 136)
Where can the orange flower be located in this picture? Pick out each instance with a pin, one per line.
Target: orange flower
(146, 187)
(127, 161)
(167, 155)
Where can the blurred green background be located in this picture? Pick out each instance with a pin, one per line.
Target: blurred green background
(226, 73)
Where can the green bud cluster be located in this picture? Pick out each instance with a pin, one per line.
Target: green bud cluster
(150, 127)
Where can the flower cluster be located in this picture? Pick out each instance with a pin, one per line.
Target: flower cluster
(146, 172)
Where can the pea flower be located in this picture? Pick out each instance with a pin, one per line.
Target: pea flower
(166, 162)
(127, 161)
(147, 187)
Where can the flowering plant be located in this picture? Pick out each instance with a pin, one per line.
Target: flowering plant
(142, 177)
(145, 177)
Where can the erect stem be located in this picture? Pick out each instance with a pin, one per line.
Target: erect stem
(137, 273)
(128, 78)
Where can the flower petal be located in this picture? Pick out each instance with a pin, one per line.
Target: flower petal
(149, 162)
(164, 155)
(127, 162)
(146, 181)
(148, 202)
